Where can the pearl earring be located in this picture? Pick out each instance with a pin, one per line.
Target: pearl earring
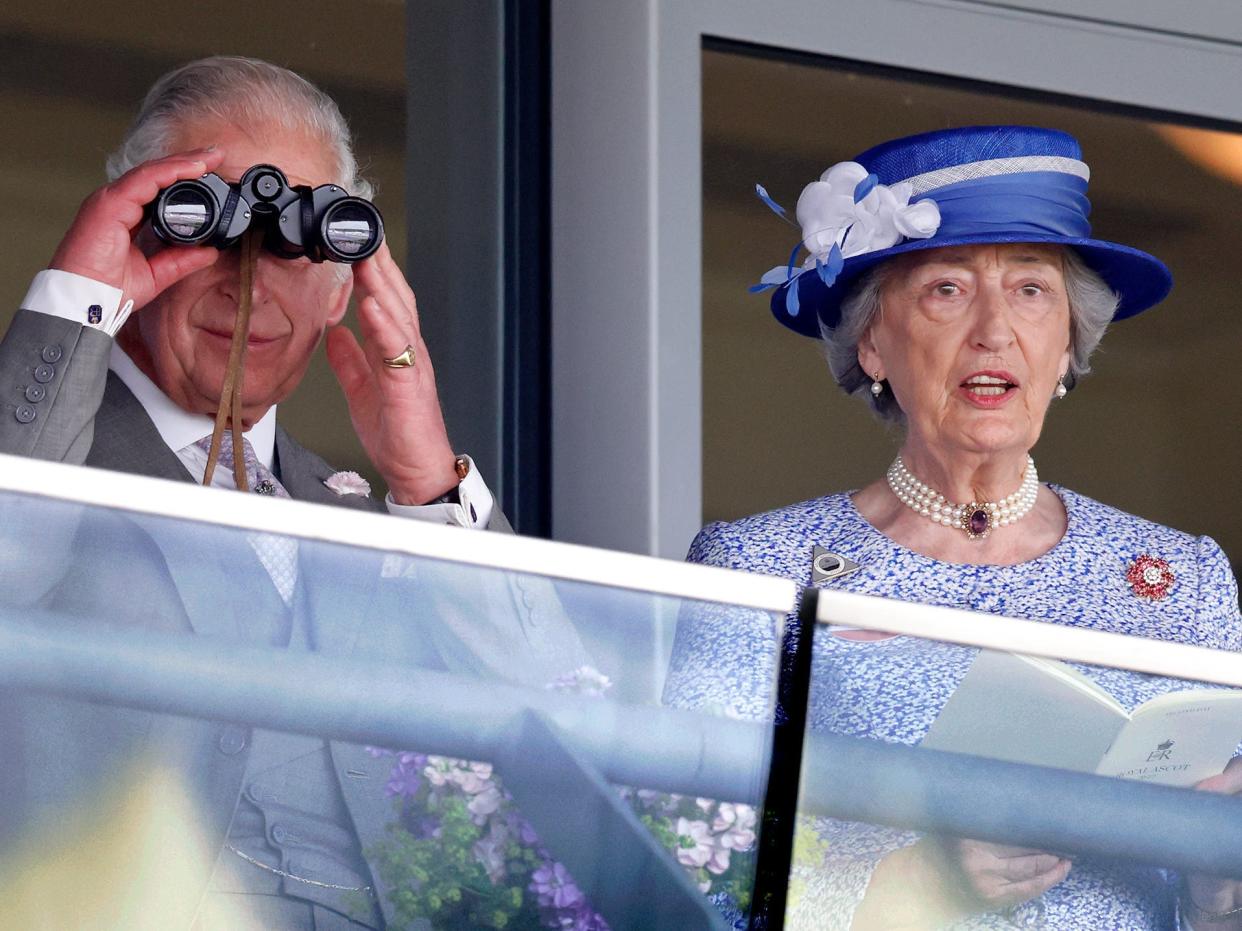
(1061, 391)
(877, 386)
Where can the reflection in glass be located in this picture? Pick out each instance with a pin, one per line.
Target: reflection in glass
(940, 766)
(408, 738)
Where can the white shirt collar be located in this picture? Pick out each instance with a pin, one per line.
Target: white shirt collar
(179, 428)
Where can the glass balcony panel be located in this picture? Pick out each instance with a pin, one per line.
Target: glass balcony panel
(962, 769)
(213, 701)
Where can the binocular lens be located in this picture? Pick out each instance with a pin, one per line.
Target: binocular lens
(352, 229)
(187, 211)
(323, 223)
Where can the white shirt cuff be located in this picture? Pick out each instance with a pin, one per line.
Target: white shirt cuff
(474, 509)
(78, 299)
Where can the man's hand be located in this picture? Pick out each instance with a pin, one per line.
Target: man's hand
(395, 411)
(100, 242)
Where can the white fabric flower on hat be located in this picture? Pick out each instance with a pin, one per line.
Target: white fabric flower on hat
(846, 213)
(849, 209)
(826, 208)
(918, 221)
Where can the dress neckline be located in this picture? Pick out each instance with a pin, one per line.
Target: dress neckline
(1071, 530)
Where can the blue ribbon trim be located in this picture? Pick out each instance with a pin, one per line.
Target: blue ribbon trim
(1043, 203)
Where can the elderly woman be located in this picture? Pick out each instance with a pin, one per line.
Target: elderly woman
(954, 281)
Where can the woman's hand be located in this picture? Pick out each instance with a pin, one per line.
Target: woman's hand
(941, 880)
(1208, 896)
(999, 876)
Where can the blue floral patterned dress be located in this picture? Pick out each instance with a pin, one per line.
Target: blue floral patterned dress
(894, 689)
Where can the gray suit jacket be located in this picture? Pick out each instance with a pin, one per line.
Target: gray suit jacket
(150, 573)
(59, 401)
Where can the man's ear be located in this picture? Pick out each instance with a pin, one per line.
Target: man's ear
(340, 299)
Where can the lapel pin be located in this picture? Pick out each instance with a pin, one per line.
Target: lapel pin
(826, 566)
(348, 483)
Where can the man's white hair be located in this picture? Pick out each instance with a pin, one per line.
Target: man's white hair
(243, 91)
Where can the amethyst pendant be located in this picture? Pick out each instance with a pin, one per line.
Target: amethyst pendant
(976, 521)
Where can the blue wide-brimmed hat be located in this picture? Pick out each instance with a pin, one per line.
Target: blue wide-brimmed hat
(968, 186)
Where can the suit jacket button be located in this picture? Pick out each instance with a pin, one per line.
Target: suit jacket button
(25, 413)
(232, 741)
(35, 393)
(52, 354)
(44, 373)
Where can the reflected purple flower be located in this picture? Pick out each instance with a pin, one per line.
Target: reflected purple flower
(406, 776)
(555, 887)
(581, 918)
(706, 835)
(520, 828)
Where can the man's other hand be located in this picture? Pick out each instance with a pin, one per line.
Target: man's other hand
(395, 411)
(100, 244)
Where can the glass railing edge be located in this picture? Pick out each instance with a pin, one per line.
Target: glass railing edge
(531, 555)
(1032, 638)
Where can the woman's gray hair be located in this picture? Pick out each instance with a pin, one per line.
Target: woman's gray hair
(1092, 304)
(242, 91)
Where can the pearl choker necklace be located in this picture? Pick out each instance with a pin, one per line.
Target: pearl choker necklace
(976, 519)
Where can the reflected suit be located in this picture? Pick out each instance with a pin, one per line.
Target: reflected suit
(63, 758)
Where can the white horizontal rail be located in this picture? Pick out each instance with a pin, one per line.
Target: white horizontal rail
(1034, 638)
(189, 502)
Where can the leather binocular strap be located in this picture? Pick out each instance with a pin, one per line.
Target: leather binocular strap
(229, 413)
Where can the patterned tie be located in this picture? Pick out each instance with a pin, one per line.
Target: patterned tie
(279, 555)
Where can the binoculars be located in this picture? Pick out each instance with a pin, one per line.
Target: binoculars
(323, 223)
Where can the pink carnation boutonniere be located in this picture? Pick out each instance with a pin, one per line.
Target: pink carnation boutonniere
(1150, 577)
(348, 483)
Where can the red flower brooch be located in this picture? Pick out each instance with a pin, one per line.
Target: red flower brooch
(1150, 577)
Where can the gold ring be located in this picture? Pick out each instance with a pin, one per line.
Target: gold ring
(403, 361)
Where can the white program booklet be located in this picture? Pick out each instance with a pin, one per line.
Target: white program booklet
(1030, 710)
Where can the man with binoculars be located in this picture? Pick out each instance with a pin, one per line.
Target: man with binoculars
(226, 148)
(202, 128)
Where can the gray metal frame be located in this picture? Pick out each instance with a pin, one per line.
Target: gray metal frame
(454, 209)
